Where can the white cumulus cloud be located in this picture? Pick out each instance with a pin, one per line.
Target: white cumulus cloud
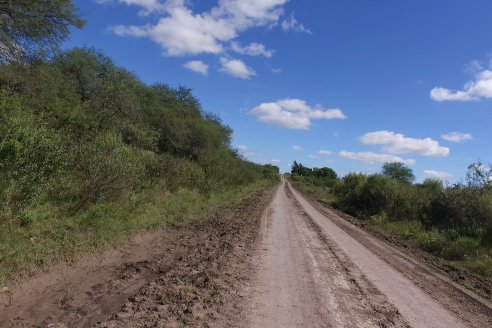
(297, 148)
(180, 31)
(396, 143)
(148, 6)
(437, 174)
(197, 66)
(236, 68)
(253, 49)
(457, 136)
(480, 87)
(293, 113)
(374, 158)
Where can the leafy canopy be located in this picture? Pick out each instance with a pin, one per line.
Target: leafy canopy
(31, 28)
(398, 171)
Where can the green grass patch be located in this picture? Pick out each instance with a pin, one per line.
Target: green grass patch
(45, 234)
(465, 251)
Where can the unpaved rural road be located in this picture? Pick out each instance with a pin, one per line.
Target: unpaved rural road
(314, 273)
(278, 259)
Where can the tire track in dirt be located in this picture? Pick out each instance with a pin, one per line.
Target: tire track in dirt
(472, 309)
(186, 276)
(305, 280)
(423, 302)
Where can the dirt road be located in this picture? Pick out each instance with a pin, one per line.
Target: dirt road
(313, 272)
(286, 262)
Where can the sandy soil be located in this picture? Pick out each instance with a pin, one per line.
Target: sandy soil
(286, 262)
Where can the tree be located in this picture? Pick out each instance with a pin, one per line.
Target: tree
(479, 175)
(28, 27)
(398, 171)
(325, 172)
(301, 170)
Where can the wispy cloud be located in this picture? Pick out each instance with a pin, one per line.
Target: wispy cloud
(297, 148)
(396, 143)
(437, 174)
(253, 49)
(324, 152)
(374, 158)
(293, 113)
(247, 152)
(457, 136)
(292, 23)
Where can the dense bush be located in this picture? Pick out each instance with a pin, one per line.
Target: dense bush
(454, 222)
(77, 130)
(349, 192)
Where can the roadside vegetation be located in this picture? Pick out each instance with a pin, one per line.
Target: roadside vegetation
(89, 154)
(450, 221)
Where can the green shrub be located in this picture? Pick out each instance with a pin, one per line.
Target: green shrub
(348, 192)
(379, 219)
(27, 217)
(461, 247)
(484, 209)
(106, 167)
(481, 263)
(432, 241)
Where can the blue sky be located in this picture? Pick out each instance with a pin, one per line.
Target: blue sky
(347, 84)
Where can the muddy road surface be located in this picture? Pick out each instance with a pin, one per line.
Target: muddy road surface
(278, 259)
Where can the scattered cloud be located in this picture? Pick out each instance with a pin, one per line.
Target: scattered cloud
(297, 148)
(374, 158)
(291, 23)
(480, 87)
(180, 31)
(246, 152)
(474, 67)
(293, 113)
(197, 66)
(148, 6)
(324, 152)
(253, 49)
(442, 94)
(396, 143)
(313, 157)
(236, 68)
(437, 174)
(275, 161)
(457, 136)
(276, 70)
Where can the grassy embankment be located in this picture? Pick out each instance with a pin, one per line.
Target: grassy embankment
(452, 222)
(89, 155)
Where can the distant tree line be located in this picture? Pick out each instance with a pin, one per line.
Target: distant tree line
(323, 172)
